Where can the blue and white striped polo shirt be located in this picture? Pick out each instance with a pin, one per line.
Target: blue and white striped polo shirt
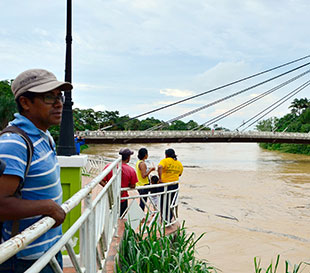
(42, 181)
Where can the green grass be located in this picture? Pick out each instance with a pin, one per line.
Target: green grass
(273, 268)
(151, 251)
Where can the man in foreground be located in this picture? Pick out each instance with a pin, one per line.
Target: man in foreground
(26, 199)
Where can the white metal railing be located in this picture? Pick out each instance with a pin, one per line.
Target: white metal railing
(184, 134)
(166, 205)
(97, 225)
(96, 163)
(98, 221)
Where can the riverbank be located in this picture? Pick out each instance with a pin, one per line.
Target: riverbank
(301, 149)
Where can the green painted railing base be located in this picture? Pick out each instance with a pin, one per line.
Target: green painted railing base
(71, 182)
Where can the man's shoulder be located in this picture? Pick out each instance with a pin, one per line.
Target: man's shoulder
(10, 140)
(18, 138)
(128, 168)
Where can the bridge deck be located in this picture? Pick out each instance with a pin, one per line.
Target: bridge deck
(111, 137)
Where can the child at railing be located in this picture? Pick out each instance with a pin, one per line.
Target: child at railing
(154, 198)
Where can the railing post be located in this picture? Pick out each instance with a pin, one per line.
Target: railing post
(118, 187)
(90, 244)
(164, 204)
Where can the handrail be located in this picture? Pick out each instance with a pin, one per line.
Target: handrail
(97, 223)
(93, 228)
(188, 133)
(167, 202)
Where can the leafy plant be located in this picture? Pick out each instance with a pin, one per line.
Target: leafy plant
(150, 250)
(7, 104)
(273, 269)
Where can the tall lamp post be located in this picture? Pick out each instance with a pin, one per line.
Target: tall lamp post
(66, 144)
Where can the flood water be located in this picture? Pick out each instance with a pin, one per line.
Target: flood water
(249, 202)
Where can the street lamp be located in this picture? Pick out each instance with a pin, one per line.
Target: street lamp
(66, 144)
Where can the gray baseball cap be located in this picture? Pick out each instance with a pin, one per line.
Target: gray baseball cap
(38, 81)
(125, 151)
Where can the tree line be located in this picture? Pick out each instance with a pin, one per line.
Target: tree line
(298, 120)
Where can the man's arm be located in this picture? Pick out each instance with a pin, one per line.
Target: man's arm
(13, 208)
(106, 179)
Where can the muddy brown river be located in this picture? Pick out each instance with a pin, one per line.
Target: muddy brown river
(249, 202)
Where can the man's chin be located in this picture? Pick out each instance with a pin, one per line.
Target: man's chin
(56, 121)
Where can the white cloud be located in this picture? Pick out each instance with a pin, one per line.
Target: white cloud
(41, 32)
(176, 93)
(223, 73)
(86, 86)
(124, 51)
(100, 107)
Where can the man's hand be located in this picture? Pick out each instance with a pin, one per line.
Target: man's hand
(56, 212)
(103, 183)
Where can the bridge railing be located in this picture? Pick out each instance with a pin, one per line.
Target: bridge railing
(160, 201)
(97, 225)
(180, 134)
(165, 198)
(95, 164)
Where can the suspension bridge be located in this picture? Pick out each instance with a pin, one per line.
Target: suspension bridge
(291, 80)
(117, 137)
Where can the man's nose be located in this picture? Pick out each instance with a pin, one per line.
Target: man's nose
(58, 103)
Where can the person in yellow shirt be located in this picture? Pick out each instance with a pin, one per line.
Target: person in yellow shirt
(143, 175)
(169, 170)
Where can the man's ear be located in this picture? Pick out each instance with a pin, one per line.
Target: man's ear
(25, 103)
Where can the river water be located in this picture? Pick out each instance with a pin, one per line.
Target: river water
(249, 202)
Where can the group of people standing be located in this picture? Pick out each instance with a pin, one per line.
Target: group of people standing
(169, 170)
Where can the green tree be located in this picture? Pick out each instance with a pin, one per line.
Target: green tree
(267, 125)
(191, 125)
(7, 104)
(296, 121)
(299, 105)
(149, 123)
(133, 124)
(177, 125)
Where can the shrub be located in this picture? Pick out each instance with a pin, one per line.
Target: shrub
(150, 250)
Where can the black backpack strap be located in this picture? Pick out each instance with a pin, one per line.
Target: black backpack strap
(16, 130)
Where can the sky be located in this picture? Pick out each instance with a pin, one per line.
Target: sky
(134, 56)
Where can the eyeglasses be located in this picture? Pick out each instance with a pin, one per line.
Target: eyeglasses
(51, 99)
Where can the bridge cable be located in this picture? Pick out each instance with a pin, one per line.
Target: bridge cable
(292, 95)
(164, 124)
(285, 98)
(209, 91)
(247, 103)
